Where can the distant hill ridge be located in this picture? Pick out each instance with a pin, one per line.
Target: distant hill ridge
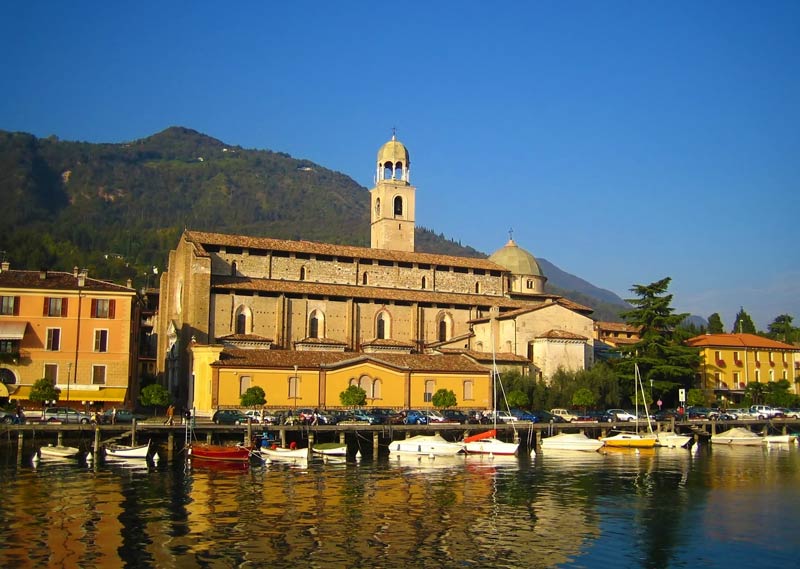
(119, 208)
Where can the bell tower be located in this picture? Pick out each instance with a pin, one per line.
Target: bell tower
(393, 200)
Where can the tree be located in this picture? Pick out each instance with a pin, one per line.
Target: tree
(517, 399)
(781, 329)
(44, 390)
(754, 392)
(155, 395)
(715, 325)
(660, 353)
(695, 397)
(743, 323)
(444, 398)
(353, 396)
(583, 397)
(253, 397)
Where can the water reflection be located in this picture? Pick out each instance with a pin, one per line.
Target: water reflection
(650, 509)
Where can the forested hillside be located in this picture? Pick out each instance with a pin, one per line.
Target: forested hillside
(118, 209)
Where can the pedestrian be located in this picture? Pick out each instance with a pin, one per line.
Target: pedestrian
(315, 417)
(20, 415)
(263, 414)
(170, 415)
(113, 415)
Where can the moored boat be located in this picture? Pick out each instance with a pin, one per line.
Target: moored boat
(224, 453)
(58, 451)
(629, 440)
(737, 436)
(125, 451)
(330, 449)
(488, 443)
(780, 439)
(285, 454)
(672, 440)
(431, 445)
(571, 441)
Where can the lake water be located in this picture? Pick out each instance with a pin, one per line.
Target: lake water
(709, 507)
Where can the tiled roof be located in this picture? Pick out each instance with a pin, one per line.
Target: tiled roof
(569, 305)
(287, 359)
(562, 335)
(244, 338)
(388, 343)
(200, 238)
(485, 358)
(738, 341)
(358, 291)
(617, 327)
(321, 341)
(56, 280)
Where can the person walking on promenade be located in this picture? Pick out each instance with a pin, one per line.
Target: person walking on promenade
(113, 415)
(170, 415)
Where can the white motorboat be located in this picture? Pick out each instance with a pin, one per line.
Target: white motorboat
(737, 436)
(284, 454)
(425, 445)
(780, 439)
(672, 440)
(125, 451)
(488, 443)
(571, 441)
(330, 449)
(58, 451)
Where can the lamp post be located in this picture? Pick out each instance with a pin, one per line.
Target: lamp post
(81, 282)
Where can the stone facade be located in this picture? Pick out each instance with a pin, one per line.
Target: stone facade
(302, 297)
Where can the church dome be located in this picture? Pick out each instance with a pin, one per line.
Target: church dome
(517, 260)
(394, 151)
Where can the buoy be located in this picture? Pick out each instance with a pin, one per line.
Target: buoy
(35, 459)
(89, 458)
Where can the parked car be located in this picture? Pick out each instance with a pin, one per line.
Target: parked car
(622, 415)
(564, 414)
(66, 415)
(547, 417)
(595, 417)
(415, 417)
(666, 415)
(791, 413)
(502, 416)
(456, 416)
(122, 416)
(229, 417)
(524, 415)
(764, 412)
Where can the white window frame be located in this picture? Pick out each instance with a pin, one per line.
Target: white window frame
(98, 332)
(49, 340)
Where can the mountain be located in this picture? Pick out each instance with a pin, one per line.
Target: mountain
(117, 209)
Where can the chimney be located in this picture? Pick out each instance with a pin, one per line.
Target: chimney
(5, 266)
(75, 271)
(129, 282)
(42, 274)
(82, 278)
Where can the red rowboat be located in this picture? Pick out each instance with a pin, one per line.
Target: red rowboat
(227, 453)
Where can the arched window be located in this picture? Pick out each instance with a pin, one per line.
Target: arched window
(388, 171)
(233, 269)
(430, 385)
(244, 384)
(364, 278)
(302, 273)
(444, 327)
(377, 207)
(376, 389)
(479, 346)
(353, 381)
(316, 324)
(7, 376)
(398, 206)
(294, 387)
(424, 282)
(243, 320)
(382, 326)
(477, 288)
(365, 383)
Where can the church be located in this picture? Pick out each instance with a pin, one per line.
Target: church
(304, 320)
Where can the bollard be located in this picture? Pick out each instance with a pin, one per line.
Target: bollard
(341, 437)
(60, 438)
(96, 439)
(375, 444)
(283, 438)
(20, 439)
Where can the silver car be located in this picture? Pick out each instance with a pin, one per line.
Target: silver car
(66, 415)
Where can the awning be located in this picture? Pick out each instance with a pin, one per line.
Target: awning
(115, 394)
(12, 330)
(3, 390)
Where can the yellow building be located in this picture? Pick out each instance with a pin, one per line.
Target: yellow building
(368, 306)
(69, 328)
(730, 361)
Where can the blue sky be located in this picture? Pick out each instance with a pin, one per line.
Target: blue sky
(623, 141)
